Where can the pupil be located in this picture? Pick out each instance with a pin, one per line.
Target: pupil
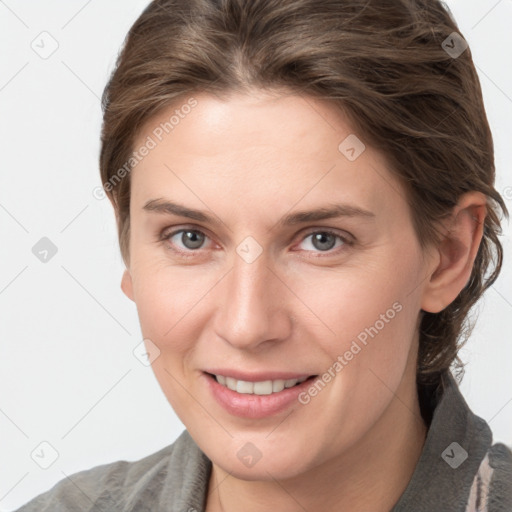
(191, 239)
(319, 241)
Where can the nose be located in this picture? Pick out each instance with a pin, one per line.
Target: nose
(253, 305)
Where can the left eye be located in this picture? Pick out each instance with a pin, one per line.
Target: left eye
(324, 241)
(191, 239)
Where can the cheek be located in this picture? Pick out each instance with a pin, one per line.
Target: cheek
(374, 319)
(169, 303)
(169, 308)
(373, 316)
(358, 302)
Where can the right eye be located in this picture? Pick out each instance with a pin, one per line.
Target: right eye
(185, 240)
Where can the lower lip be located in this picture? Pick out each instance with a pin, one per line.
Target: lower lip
(247, 405)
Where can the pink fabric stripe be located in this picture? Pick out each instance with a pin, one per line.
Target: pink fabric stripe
(479, 493)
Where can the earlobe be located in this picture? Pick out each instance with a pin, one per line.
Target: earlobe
(457, 252)
(127, 284)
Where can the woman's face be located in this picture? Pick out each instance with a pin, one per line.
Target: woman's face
(289, 253)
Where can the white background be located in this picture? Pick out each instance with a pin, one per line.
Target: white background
(67, 372)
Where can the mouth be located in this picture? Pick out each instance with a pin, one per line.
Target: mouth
(263, 396)
(261, 387)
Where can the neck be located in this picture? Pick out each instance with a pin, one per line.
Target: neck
(372, 475)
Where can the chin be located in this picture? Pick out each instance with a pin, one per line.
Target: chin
(256, 458)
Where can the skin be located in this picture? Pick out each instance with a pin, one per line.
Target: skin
(248, 160)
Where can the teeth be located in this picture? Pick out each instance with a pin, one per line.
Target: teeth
(230, 383)
(244, 387)
(290, 383)
(277, 385)
(266, 387)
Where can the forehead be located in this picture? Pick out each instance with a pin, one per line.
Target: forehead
(261, 149)
(283, 121)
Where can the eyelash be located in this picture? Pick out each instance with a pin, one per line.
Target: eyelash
(190, 253)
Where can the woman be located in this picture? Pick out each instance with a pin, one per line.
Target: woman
(304, 192)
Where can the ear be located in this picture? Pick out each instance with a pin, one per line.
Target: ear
(127, 284)
(456, 252)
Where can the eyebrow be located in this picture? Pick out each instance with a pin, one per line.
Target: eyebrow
(162, 206)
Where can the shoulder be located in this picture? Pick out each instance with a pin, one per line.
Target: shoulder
(500, 493)
(491, 490)
(112, 486)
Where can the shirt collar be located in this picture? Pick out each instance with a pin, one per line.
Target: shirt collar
(456, 443)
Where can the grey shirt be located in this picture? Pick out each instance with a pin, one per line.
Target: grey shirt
(459, 470)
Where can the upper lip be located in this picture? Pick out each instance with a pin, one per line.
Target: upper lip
(257, 376)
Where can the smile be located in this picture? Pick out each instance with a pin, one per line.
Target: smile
(266, 387)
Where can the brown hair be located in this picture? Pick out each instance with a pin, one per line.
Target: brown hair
(383, 62)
